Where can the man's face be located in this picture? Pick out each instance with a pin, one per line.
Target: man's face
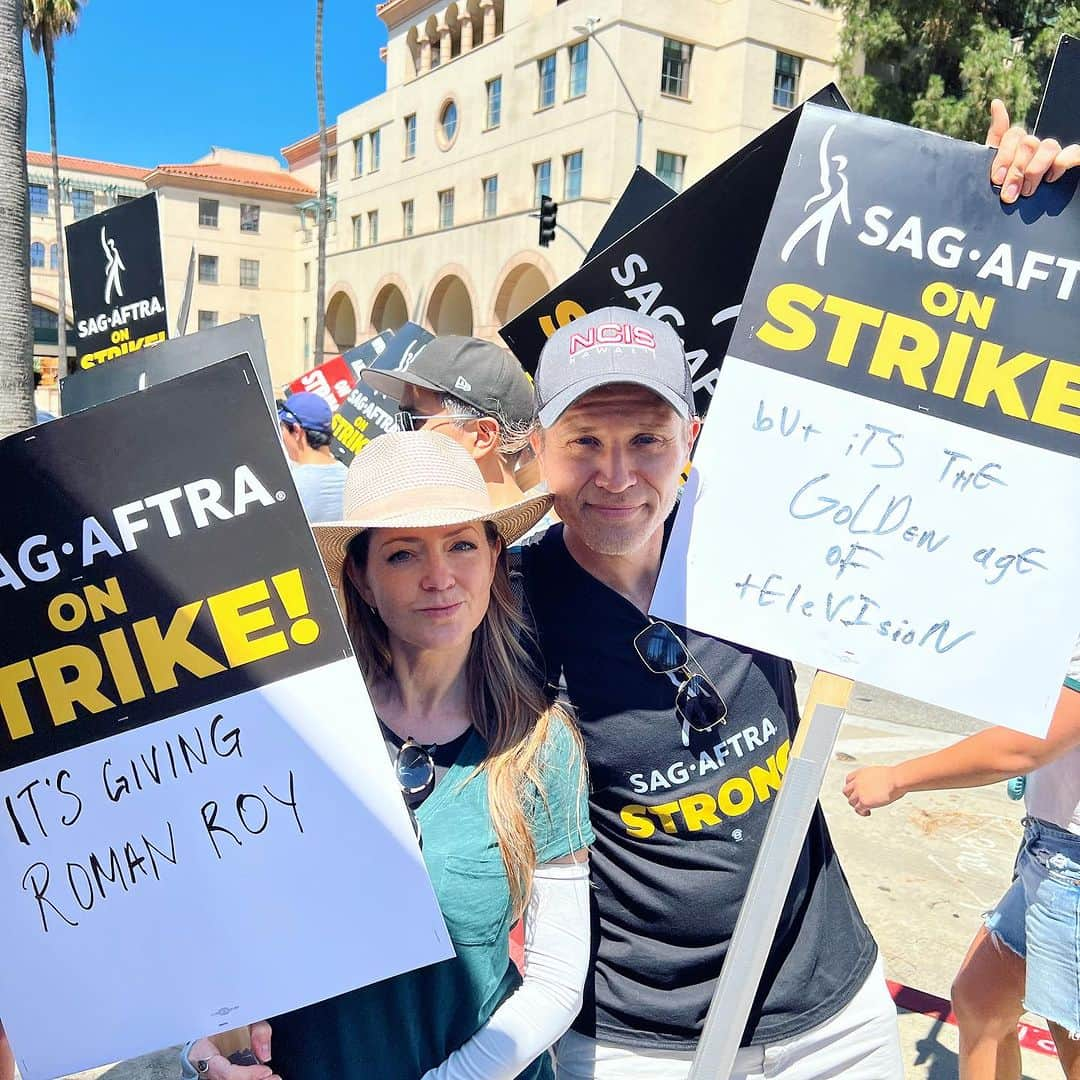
(613, 461)
(421, 402)
(292, 438)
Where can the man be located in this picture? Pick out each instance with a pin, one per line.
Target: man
(477, 394)
(684, 767)
(305, 420)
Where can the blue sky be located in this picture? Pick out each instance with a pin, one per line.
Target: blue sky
(147, 84)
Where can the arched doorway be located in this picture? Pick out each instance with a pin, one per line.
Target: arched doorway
(389, 312)
(341, 322)
(450, 309)
(522, 287)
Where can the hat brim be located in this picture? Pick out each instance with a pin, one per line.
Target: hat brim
(553, 409)
(512, 522)
(393, 383)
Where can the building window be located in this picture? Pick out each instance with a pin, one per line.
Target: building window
(407, 218)
(494, 102)
(579, 68)
(208, 269)
(675, 68)
(357, 233)
(546, 70)
(786, 80)
(446, 209)
(541, 180)
(670, 168)
(39, 199)
(375, 149)
(358, 157)
(54, 256)
(37, 254)
(249, 217)
(43, 319)
(331, 168)
(207, 320)
(208, 213)
(373, 227)
(249, 273)
(491, 196)
(410, 135)
(307, 275)
(124, 198)
(572, 175)
(307, 339)
(82, 202)
(448, 122)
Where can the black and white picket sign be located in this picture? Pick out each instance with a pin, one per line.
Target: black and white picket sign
(199, 825)
(117, 282)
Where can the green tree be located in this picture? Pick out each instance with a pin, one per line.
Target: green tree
(48, 21)
(938, 64)
(320, 265)
(16, 334)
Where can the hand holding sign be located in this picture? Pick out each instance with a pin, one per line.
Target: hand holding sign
(246, 1065)
(1023, 161)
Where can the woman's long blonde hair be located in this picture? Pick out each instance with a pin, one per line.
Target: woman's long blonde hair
(507, 705)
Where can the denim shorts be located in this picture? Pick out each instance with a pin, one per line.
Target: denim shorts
(1039, 919)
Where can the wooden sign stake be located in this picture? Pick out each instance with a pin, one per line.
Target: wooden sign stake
(771, 879)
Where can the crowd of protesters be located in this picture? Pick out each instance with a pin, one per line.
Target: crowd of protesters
(525, 695)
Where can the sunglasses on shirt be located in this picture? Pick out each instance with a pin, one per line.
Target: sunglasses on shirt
(698, 703)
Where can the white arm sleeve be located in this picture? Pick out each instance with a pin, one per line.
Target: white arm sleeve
(543, 1007)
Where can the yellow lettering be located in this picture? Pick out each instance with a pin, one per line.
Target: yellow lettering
(951, 370)
(1060, 392)
(782, 756)
(796, 329)
(766, 779)
(11, 699)
(163, 653)
(990, 376)
(664, 812)
(892, 353)
(235, 627)
(62, 694)
(108, 599)
(851, 317)
(121, 665)
(726, 799)
(633, 817)
(698, 810)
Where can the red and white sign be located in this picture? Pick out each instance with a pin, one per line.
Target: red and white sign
(332, 381)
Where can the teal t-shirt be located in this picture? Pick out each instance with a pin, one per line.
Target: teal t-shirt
(400, 1028)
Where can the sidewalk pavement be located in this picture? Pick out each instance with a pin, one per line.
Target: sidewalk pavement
(922, 871)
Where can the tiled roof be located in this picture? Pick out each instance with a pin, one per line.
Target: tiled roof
(87, 165)
(309, 144)
(233, 174)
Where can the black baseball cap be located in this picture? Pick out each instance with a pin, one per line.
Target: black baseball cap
(477, 372)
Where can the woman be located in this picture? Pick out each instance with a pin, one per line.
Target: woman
(1028, 953)
(495, 777)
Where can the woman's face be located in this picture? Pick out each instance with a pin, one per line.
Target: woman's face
(430, 586)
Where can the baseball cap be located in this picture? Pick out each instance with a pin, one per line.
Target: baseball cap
(611, 345)
(474, 371)
(308, 410)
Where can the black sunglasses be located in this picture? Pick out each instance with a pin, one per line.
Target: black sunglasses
(698, 703)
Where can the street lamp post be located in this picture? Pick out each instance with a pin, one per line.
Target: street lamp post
(588, 30)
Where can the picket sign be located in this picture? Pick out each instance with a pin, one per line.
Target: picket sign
(774, 868)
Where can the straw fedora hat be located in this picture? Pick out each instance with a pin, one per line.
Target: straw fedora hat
(421, 480)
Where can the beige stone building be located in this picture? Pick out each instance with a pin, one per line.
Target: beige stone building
(432, 184)
(490, 103)
(239, 213)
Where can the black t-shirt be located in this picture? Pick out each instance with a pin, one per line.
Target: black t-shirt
(678, 827)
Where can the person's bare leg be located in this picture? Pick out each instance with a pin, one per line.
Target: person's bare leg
(1068, 1052)
(7, 1058)
(987, 997)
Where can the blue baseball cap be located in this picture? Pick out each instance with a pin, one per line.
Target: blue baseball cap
(308, 410)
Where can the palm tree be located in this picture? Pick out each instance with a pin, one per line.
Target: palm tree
(320, 270)
(16, 334)
(47, 21)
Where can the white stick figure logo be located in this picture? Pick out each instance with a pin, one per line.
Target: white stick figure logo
(113, 265)
(833, 198)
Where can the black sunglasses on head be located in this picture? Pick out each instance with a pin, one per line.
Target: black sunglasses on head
(698, 703)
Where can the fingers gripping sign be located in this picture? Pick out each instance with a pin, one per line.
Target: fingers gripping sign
(205, 1058)
(1022, 160)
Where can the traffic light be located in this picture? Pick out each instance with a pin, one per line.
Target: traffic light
(549, 209)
